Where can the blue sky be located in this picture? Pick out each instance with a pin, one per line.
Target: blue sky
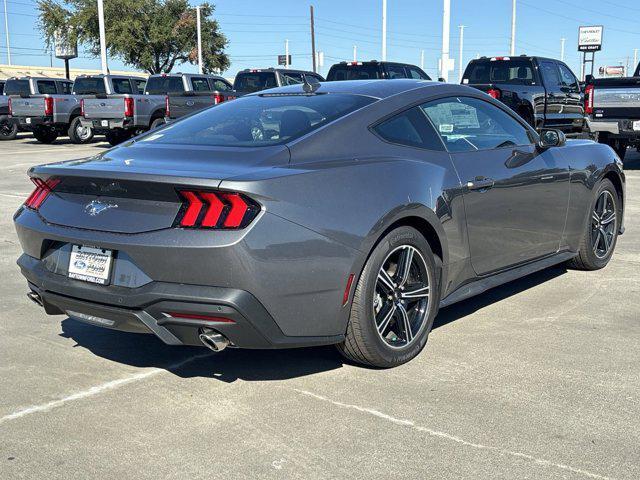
(257, 30)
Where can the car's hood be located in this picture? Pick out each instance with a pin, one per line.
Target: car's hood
(170, 163)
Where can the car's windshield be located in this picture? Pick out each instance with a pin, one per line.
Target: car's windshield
(89, 86)
(254, 81)
(354, 72)
(518, 72)
(16, 87)
(164, 84)
(259, 120)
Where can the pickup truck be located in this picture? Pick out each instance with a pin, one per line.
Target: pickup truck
(124, 109)
(46, 107)
(374, 70)
(543, 91)
(613, 111)
(258, 79)
(8, 130)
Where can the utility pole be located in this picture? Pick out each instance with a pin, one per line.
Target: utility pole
(313, 39)
(460, 66)
(384, 30)
(562, 40)
(635, 58)
(103, 41)
(6, 30)
(355, 53)
(422, 59)
(286, 54)
(446, 20)
(513, 29)
(199, 29)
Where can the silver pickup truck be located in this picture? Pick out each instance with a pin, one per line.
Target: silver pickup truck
(46, 107)
(122, 113)
(8, 130)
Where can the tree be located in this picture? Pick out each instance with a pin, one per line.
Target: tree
(151, 35)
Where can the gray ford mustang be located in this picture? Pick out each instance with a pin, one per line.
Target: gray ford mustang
(342, 213)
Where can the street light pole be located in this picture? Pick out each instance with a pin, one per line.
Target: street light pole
(446, 20)
(635, 58)
(562, 40)
(460, 67)
(355, 53)
(199, 29)
(103, 41)
(384, 30)
(6, 30)
(313, 40)
(286, 54)
(422, 59)
(513, 29)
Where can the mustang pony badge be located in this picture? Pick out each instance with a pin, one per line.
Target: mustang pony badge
(96, 207)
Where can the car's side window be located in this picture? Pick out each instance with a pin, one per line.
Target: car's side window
(139, 85)
(199, 84)
(291, 78)
(413, 72)
(219, 85)
(550, 74)
(568, 79)
(468, 124)
(409, 128)
(47, 87)
(121, 85)
(396, 71)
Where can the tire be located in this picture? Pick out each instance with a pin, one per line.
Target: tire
(79, 134)
(592, 256)
(157, 123)
(8, 131)
(619, 145)
(45, 135)
(363, 343)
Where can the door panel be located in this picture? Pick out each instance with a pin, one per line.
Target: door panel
(556, 98)
(515, 196)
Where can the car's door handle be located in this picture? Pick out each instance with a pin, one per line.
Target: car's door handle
(480, 183)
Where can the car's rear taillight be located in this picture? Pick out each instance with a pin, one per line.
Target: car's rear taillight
(494, 92)
(128, 107)
(588, 99)
(219, 210)
(42, 191)
(82, 107)
(218, 98)
(10, 109)
(48, 106)
(167, 108)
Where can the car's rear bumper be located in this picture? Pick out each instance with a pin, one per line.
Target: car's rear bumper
(147, 309)
(621, 127)
(29, 123)
(106, 124)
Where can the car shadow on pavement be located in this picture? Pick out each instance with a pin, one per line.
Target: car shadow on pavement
(140, 350)
(97, 142)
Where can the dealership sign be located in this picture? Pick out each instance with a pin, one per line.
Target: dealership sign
(590, 39)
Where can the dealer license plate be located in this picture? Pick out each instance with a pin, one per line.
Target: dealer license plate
(636, 125)
(27, 120)
(90, 264)
(104, 123)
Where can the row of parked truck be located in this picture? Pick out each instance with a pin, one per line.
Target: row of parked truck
(543, 91)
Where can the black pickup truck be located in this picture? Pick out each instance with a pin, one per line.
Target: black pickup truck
(543, 91)
(613, 111)
(374, 69)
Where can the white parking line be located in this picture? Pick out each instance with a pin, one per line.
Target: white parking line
(60, 149)
(452, 438)
(98, 389)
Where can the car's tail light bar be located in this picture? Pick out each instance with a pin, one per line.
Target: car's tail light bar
(10, 109)
(218, 210)
(167, 108)
(128, 107)
(48, 106)
(82, 107)
(42, 191)
(495, 93)
(588, 99)
(218, 98)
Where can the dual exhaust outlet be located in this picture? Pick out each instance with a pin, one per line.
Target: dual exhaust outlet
(210, 338)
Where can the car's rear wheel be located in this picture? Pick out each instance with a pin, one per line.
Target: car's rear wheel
(601, 233)
(45, 135)
(8, 131)
(116, 137)
(157, 123)
(394, 303)
(79, 134)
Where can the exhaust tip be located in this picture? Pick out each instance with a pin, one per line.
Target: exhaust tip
(213, 340)
(35, 298)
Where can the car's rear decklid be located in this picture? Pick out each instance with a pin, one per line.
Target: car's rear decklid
(27, 107)
(107, 108)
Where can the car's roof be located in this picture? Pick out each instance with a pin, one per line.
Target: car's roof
(40, 78)
(371, 88)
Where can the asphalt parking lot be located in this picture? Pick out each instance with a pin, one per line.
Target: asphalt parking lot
(537, 379)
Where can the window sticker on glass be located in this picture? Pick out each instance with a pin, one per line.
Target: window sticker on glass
(446, 128)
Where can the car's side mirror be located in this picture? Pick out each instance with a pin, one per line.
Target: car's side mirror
(551, 138)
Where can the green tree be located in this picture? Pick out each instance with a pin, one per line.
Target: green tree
(151, 35)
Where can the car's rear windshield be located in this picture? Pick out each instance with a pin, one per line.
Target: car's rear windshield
(89, 86)
(518, 72)
(354, 72)
(163, 85)
(16, 87)
(259, 120)
(254, 81)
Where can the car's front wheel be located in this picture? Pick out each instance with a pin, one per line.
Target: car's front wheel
(394, 302)
(78, 133)
(601, 233)
(8, 130)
